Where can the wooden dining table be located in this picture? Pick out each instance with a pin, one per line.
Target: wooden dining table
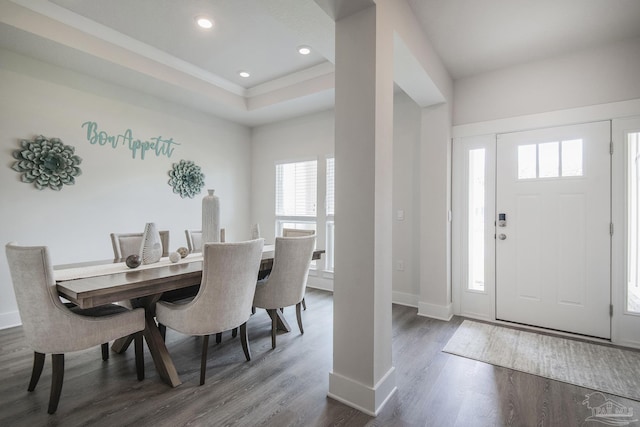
(92, 284)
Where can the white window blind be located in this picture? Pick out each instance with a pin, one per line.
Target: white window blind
(296, 188)
(330, 185)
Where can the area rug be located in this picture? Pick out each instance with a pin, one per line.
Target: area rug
(598, 367)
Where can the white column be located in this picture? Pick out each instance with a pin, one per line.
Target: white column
(363, 375)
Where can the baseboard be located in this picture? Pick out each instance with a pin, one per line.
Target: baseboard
(369, 400)
(403, 298)
(320, 283)
(435, 311)
(10, 320)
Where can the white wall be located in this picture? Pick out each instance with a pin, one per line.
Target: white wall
(406, 197)
(115, 192)
(597, 76)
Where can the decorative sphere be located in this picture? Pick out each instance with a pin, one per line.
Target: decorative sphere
(133, 261)
(174, 257)
(183, 252)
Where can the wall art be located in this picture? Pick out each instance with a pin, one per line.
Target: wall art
(187, 179)
(47, 163)
(158, 145)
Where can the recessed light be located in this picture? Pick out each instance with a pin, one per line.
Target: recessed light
(204, 22)
(244, 74)
(304, 50)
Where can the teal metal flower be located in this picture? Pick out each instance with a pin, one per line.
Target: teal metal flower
(47, 163)
(187, 179)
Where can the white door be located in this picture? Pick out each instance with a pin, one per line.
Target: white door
(553, 250)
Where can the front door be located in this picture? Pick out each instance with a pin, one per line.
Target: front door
(553, 205)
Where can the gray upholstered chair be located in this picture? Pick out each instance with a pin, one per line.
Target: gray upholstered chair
(125, 244)
(51, 327)
(294, 232)
(194, 239)
(229, 272)
(286, 284)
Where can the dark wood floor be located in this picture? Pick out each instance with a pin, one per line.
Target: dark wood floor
(287, 386)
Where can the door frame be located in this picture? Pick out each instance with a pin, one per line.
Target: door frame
(625, 328)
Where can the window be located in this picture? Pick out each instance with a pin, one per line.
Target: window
(550, 159)
(330, 205)
(476, 219)
(296, 188)
(633, 225)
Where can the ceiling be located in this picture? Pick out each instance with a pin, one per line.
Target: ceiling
(154, 46)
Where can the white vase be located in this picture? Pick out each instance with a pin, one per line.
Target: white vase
(151, 247)
(210, 218)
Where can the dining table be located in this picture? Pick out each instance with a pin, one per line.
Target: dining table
(95, 283)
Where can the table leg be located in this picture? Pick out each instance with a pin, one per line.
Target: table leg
(164, 365)
(121, 344)
(282, 322)
(159, 353)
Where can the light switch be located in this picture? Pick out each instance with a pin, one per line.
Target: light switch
(400, 215)
(400, 265)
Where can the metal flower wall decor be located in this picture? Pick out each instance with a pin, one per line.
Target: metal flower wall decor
(47, 163)
(187, 179)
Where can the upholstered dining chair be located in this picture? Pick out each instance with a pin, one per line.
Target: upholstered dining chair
(294, 232)
(194, 239)
(125, 244)
(51, 327)
(286, 284)
(229, 272)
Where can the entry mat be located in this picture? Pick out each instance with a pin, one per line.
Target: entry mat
(599, 367)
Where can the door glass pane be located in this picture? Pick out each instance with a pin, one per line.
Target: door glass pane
(476, 219)
(572, 158)
(633, 226)
(527, 161)
(549, 160)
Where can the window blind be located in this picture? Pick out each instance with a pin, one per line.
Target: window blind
(296, 188)
(330, 185)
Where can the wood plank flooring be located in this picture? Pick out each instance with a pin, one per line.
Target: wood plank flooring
(287, 386)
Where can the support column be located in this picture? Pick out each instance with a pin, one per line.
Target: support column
(363, 376)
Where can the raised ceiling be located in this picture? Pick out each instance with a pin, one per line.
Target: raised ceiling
(155, 47)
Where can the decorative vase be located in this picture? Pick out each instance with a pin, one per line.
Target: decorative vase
(210, 218)
(151, 248)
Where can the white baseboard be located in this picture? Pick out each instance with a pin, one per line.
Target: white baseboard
(320, 283)
(369, 400)
(403, 298)
(10, 319)
(435, 311)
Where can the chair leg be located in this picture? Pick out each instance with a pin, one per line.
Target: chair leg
(105, 351)
(304, 304)
(56, 381)
(203, 362)
(274, 327)
(234, 332)
(299, 316)
(163, 331)
(244, 339)
(139, 352)
(218, 337)
(38, 364)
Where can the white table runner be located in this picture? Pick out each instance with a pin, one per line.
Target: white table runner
(119, 267)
